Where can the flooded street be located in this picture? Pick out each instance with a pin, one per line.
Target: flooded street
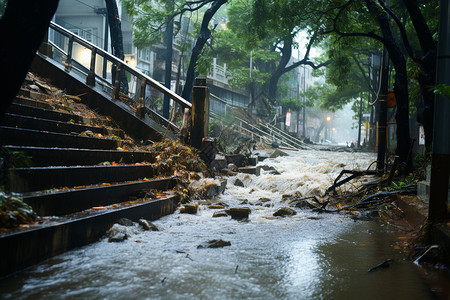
(305, 256)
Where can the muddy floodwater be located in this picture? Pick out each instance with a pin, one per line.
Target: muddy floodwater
(305, 256)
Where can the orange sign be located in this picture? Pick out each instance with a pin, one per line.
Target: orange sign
(391, 102)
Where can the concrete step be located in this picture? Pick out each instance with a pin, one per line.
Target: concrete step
(26, 110)
(32, 102)
(27, 122)
(29, 137)
(23, 180)
(27, 247)
(44, 156)
(66, 202)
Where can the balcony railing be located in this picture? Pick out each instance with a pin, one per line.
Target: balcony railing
(219, 72)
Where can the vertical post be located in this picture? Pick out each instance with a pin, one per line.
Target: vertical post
(168, 39)
(440, 160)
(142, 93)
(68, 63)
(382, 121)
(200, 112)
(116, 88)
(45, 47)
(90, 79)
(360, 121)
(105, 44)
(304, 102)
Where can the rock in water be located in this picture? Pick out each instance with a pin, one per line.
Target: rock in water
(304, 204)
(215, 244)
(238, 182)
(284, 211)
(117, 233)
(117, 237)
(263, 202)
(238, 213)
(219, 214)
(147, 225)
(278, 153)
(215, 206)
(189, 209)
(125, 222)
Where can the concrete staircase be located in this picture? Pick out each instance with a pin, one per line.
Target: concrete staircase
(78, 182)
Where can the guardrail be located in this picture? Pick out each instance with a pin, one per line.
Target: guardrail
(100, 67)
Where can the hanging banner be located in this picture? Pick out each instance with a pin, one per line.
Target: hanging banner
(288, 118)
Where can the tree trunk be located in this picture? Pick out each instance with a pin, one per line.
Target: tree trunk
(427, 78)
(322, 125)
(286, 53)
(116, 40)
(203, 37)
(22, 29)
(401, 81)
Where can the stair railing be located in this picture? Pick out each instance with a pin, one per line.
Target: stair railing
(286, 137)
(90, 61)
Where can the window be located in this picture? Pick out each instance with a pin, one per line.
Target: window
(87, 33)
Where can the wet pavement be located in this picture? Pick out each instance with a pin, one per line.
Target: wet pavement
(304, 256)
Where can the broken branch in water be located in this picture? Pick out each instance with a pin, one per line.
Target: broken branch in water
(385, 264)
(367, 200)
(371, 200)
(353, 175)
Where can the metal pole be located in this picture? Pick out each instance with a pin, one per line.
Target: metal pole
(168, 36)
(382, 121)
(105, 44)
(440, 160)
(251, 63)
(360, 120)
(304, 102)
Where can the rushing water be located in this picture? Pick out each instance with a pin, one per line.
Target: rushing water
(306, 256)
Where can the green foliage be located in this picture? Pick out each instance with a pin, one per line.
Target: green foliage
(442, 89)
(14, 212)
(291, 103)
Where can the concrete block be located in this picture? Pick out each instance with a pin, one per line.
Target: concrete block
(251, 170)
(218, 164)
(238, 159)
(423, 190)
(253, 160)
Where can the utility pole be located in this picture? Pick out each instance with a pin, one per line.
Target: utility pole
(440, 160)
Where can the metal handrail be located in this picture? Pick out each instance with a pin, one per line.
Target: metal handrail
(120, 65)
(284, 135)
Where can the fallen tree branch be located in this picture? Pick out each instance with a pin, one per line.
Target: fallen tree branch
(347, 179)
(368, 200)
(385, 264)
